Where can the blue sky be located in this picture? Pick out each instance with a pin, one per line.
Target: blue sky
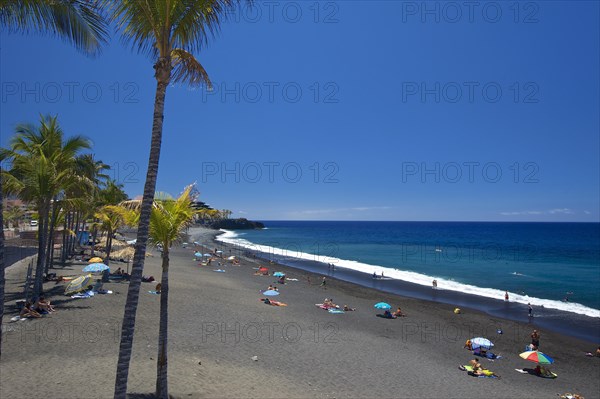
(349, 110)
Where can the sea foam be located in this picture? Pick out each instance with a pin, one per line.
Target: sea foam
(232, 237)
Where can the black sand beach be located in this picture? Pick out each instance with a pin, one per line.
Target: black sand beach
(218, 326)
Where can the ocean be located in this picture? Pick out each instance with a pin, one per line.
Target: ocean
(550, 265)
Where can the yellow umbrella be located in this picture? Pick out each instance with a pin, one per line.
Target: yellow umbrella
(79, 284)
(96, 260)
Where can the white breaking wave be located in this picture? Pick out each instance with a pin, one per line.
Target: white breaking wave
(231, 237)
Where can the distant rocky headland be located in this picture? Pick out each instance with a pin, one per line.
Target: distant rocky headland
(235, 224)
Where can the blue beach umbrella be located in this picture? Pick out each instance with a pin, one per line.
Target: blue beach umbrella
(95, 268)
(270, 292)
(481, 342)
(383, 305)
(197, 254)
(278, 274)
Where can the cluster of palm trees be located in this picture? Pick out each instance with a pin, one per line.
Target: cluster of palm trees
(49, 171)
(169, 32)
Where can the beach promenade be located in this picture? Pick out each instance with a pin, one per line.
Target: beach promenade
(225, 343)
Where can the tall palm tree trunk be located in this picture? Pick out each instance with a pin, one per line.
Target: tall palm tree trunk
(162, 388)
(78, 226)
(128, 327)
(65, 239)
(74, 240)
(51, 228)
(44, 211)
(109, 239)
(2, 278)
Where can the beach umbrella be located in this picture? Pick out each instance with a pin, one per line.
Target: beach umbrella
(96, 260)
(278, 274)
(79, 284)
(197, 254)
(481, 342)
(231, 258)
(537, 357)
(207, 255)
(95, 268)
(383, 305)
(270, 292)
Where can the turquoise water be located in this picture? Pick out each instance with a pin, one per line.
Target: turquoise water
(556, 265)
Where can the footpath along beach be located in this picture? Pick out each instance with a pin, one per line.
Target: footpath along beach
(225, 343)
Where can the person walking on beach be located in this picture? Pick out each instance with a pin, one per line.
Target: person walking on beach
(530, 309)
(434, 284)
(324, 282)
(506, 296)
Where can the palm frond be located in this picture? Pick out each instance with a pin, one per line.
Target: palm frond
(187, 69)
(79, 22)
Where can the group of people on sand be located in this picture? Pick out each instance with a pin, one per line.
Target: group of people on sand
(41, 306)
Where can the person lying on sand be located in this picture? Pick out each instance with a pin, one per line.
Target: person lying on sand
(477, 371)
(27, 312)
(388, 315)
(592, 355)
(348, 309)
(398, 313)
(267, 301)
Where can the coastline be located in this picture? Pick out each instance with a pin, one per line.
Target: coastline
(218, 326)
(564, 322)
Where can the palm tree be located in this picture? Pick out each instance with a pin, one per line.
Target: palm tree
(2, 276)
(111, 219)
(168, 31)
(76, 21)
(42, 167)
(13, 215)
(168, 221)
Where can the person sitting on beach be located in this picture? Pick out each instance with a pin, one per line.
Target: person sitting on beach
(398, 313)
(27, 312)
(281, 280)
(542, 371)
(535, 340)
(119, 272)
(348, 309)
(158, 288)
(468, 345)
(270, 287)
(328, 304)
(43, 305)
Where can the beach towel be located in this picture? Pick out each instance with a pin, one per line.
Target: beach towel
(87, 294)
(154, 292)
(292, 279)
(336, 311)
(219, 271)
